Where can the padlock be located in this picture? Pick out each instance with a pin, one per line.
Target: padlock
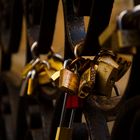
(55, 63)
(43, 72)
(68, 81)
(29, 67)
(31, 82)
(107, 71)
(87, 81)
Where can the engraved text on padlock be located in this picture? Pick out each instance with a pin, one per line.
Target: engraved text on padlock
(68, 81)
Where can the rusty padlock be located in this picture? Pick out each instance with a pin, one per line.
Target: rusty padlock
(87, 81)
(107, 72)
(68, 81)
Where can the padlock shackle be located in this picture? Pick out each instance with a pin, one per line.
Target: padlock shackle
(66, 63)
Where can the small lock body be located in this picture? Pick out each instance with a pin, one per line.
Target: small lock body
(106, 77)
(87, 82)
(63, 133)
(68, 81)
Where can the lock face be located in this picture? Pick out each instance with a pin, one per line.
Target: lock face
(87, 82)
(68, 81)
(106, 78)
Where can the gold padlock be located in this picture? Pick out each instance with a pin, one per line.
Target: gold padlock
(55, 63)
(87, 82)
(63, 133)
(106, 76)
(29, 67)
(43, 78)
(31, 85)
(68, 81)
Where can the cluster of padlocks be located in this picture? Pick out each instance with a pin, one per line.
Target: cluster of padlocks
(74, 96)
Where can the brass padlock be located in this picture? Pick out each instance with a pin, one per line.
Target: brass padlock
(63, 133)
(87, 82)
(106, 76)
(29, 67)
(68, 81)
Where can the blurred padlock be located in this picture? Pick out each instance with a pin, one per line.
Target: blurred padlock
(43, 72)
(29, 67)
(107, 72)
(68, 81)
(31, 81)
(55, 63)
(87, 81)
